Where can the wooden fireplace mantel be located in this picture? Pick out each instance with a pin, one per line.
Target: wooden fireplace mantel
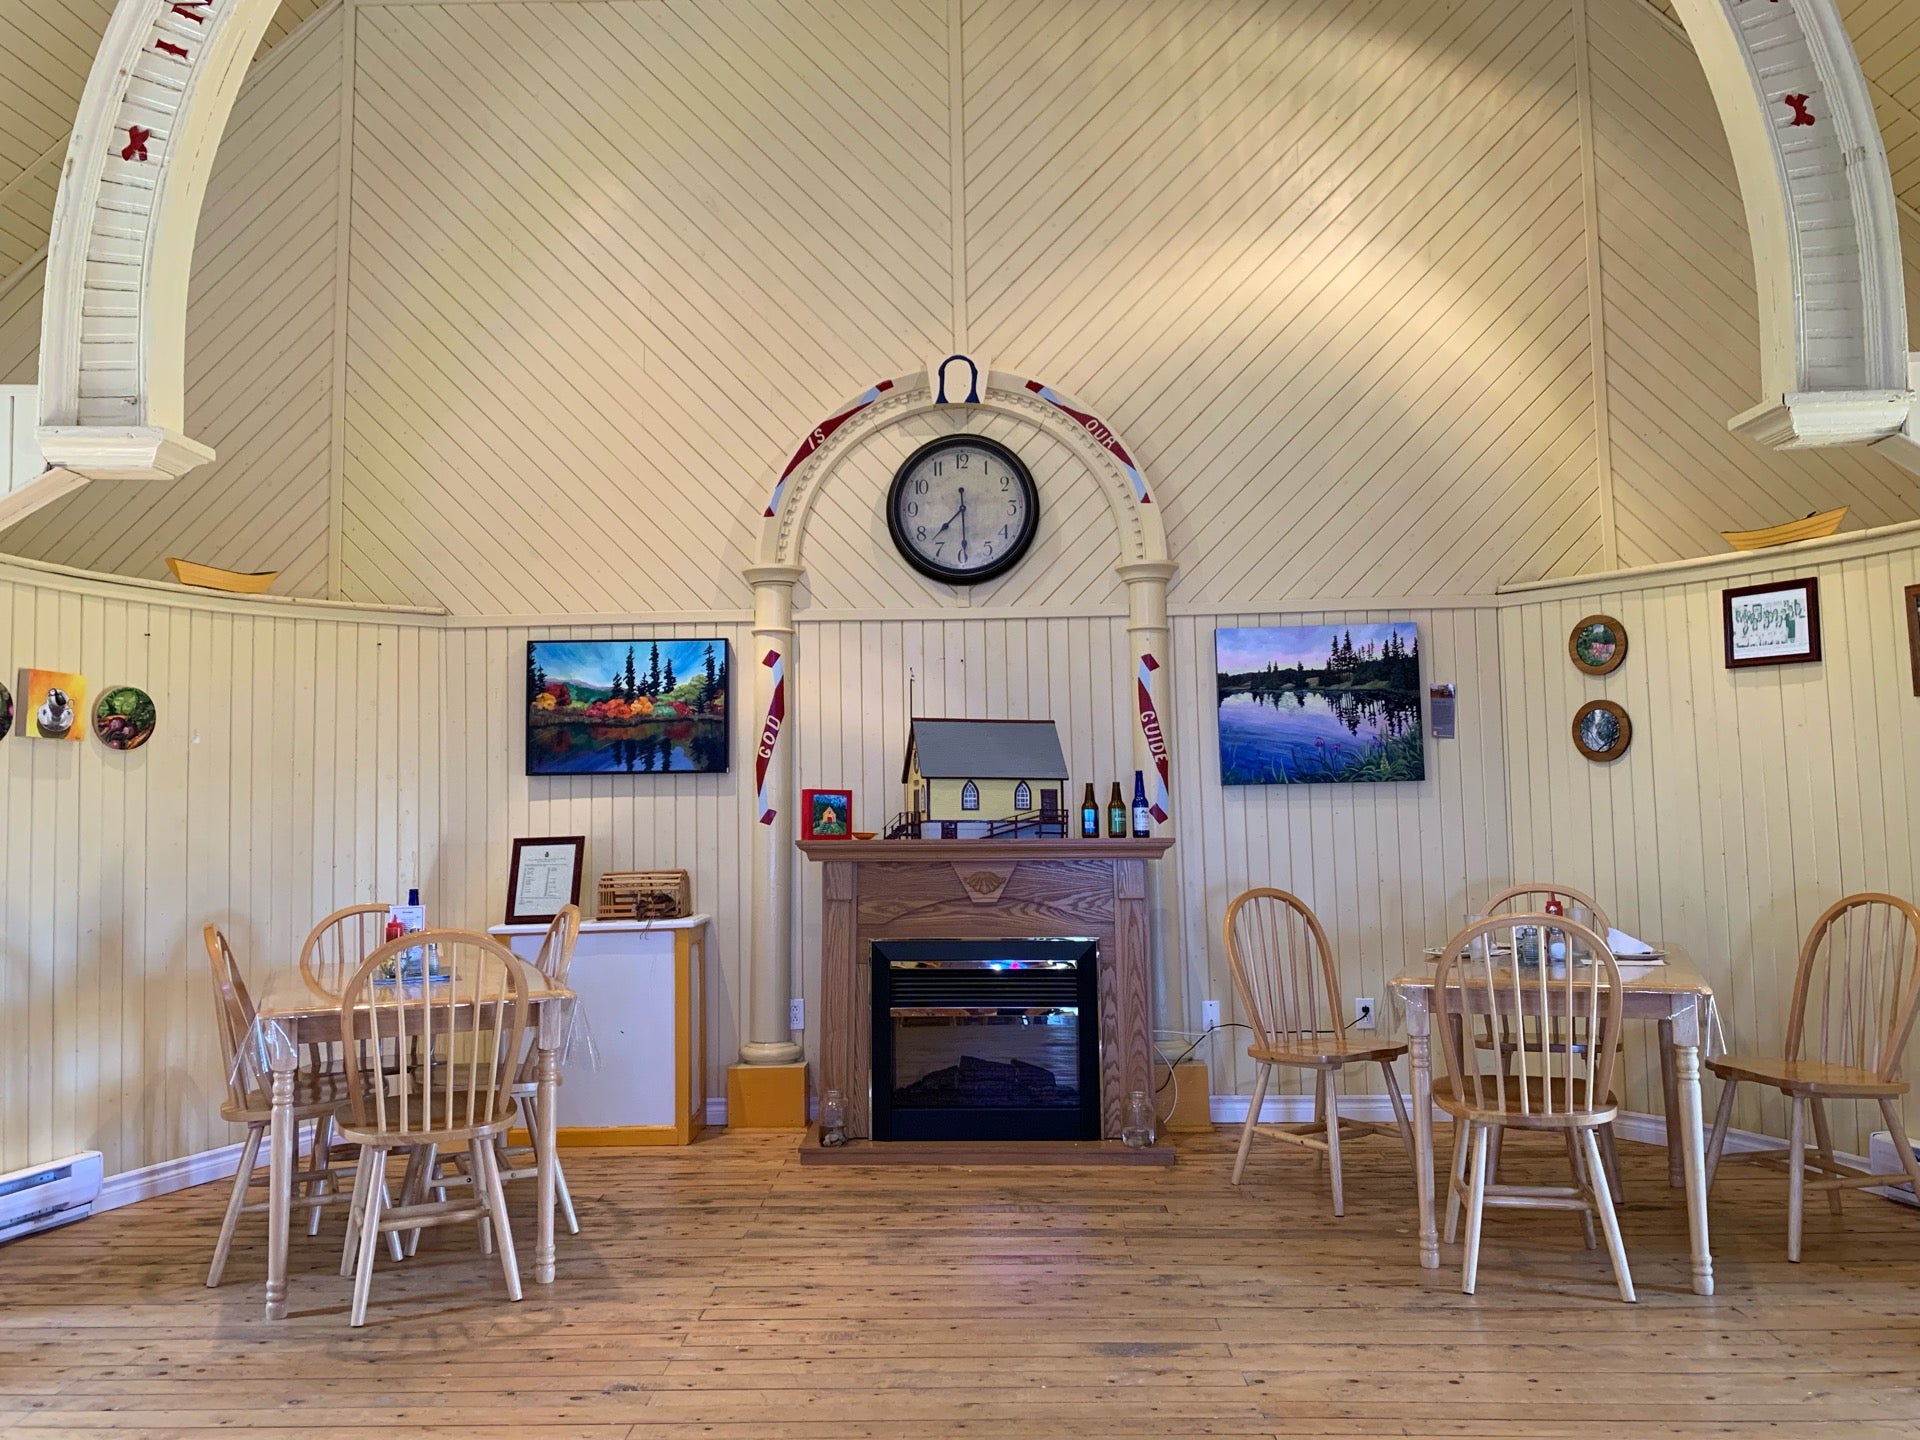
(985, 890)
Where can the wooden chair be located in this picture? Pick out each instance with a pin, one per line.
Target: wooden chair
(336, 946)
(1284, 973)
(1853, 1009)
(554, 959)
(1531, 898)
(249, 1102)
(1567, 1088)
(475, 1020)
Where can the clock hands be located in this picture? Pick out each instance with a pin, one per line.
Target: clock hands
(963, 524)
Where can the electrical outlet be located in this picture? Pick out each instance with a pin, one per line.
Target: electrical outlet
(1209, 1014)
(1363, 1013)
(796, 1013)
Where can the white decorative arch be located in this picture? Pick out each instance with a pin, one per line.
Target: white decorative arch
(1142, 563)
(1821, 218)
(113, 320)
(784, 522)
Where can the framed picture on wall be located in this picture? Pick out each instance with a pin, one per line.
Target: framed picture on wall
(544, 877)
(1913, 636)
(1772, 624)
(648, 705)
(1319, 704)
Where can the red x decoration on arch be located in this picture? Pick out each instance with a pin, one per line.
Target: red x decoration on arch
(1801, 116)
(136, 147)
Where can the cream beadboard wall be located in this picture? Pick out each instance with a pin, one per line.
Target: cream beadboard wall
(1750, 799)
(296, 767)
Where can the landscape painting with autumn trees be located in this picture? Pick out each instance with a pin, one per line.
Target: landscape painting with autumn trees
(628, 707)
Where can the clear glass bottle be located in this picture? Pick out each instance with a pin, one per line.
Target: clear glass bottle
(833, 1118)
(1137, 1134)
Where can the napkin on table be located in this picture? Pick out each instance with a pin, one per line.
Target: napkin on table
(1624, 945)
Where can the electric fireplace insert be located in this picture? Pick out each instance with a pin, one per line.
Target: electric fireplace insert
(986, 1040)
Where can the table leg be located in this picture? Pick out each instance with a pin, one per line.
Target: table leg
(280, 1134)
(1670, 1094)
(1686, 1059)
(546, 1137)
(1420, 1062)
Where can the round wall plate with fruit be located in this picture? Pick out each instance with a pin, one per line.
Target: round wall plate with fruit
(124, 718)
(6, 711)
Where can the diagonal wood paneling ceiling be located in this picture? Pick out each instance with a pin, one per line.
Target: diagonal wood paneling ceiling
(51, 45)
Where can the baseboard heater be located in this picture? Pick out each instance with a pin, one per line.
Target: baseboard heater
(43, 1196)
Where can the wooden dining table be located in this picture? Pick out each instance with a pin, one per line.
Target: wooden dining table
(1677, 998)
(293, 1013)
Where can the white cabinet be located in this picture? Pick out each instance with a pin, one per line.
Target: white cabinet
(642, 987)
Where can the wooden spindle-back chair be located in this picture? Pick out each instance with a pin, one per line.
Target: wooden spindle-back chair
(1531, 897)
(1289, 989)
(435, 1070)
(1855, 997)
(249, 1102)
(335, 947)
(553, 961)
(1568, 1088)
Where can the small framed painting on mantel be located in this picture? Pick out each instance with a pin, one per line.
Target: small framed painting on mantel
(1773, 624)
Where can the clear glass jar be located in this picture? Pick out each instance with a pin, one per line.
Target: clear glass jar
(833, 1118)
(1137, 1134)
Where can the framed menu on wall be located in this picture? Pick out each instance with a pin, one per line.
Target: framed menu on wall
(1772, 624)
(544, 878)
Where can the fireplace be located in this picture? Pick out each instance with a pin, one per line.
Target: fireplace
(986, 1039)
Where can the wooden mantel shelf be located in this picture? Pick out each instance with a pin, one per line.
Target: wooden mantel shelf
(910, 852)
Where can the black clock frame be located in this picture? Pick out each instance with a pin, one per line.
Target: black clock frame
(932, 569)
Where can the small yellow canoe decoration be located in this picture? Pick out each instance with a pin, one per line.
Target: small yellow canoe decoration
(209, 577)
(1817, 526)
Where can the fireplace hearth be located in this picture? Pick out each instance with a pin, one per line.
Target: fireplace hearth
(986, 1039)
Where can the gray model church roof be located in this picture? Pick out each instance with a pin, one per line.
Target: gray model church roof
(985, 750)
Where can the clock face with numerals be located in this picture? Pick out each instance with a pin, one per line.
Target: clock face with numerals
(963, 509)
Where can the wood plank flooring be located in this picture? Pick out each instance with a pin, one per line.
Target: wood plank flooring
(726, 1291)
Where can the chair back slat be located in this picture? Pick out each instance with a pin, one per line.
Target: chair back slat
(1283, 969)
(1531, 897)
(235, 1019)
(437, 1052)
(554, 961)
(1855, 993)
(336, 946)
(1485, 962)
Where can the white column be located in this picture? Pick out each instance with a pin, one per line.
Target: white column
(1146, 582)
(770, 986)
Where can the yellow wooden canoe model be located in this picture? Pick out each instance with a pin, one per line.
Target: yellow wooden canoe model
(1815, 527)
(209, 577)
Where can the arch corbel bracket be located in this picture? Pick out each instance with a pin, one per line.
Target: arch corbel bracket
(1821, 218)
(113, 321)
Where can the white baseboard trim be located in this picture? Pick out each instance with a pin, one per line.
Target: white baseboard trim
(166, 1176)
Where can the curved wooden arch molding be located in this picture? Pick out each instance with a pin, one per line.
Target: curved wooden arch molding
(783, 523)
(113, 321)
(1821, 218)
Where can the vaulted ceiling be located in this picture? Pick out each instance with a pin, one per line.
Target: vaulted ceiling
(54, 42)
(51, 46)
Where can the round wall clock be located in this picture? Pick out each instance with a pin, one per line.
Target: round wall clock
(1601, 730)
(1598, 644)
(963, 509)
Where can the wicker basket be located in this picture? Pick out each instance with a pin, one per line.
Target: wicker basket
(644, 895)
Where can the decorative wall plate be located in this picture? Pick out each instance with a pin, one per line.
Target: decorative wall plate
(6, 710)
(124, 718)
(1597, 645)
(1601, 730)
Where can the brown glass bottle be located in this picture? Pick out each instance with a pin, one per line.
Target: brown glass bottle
(1089, 815)
(1116, 814)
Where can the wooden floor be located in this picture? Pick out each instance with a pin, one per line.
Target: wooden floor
(725, 1291)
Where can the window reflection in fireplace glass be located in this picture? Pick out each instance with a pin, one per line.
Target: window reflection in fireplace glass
(986, 1057)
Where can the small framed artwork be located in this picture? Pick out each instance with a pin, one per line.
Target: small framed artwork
(1913, 637)
(1601, 730)
(545, 878)
(1597, 645)
(826, 814)
(54, 701)
(1773, 624)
